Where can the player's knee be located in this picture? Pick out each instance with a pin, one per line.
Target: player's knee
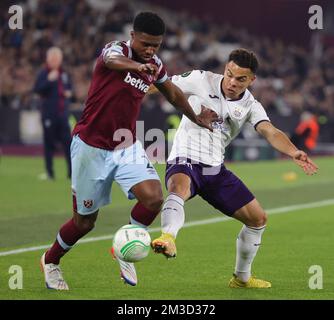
(260, 220)
(85, 223)
(154, 203)
(86, 226)
(179, 189)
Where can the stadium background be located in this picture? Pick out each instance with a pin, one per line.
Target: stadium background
(296, 75)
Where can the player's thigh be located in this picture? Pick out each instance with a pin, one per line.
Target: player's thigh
(225, 192)
(251, 214)
(183, 178)
(136, 175)
(180, 183)
(91, 179)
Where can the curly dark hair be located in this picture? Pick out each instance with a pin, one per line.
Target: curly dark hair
(150, 23)
(244, 59)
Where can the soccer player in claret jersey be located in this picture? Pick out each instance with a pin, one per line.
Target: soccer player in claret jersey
(196, 162)
(104, 147)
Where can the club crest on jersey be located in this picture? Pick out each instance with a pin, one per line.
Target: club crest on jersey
(137, 83)
(237, 113)
(219, 124)
(88, 203)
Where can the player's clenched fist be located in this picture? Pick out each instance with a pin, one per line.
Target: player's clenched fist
(206, 117)
(148, 68)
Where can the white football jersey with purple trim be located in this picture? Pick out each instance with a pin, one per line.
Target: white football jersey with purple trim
(199, 144)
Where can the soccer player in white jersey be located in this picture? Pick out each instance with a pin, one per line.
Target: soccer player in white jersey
(195, 165)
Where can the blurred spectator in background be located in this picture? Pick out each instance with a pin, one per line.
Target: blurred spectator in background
(306, 134)
(292, 78)
(54, 86)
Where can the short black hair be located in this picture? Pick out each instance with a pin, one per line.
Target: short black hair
(244, 59)
(150, 23)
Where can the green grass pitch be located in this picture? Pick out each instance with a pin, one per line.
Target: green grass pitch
(31, 212)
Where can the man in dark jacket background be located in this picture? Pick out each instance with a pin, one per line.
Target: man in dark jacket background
(54, 86)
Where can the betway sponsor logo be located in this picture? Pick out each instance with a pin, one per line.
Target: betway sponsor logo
(137, 83)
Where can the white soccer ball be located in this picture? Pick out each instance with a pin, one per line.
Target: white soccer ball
(131, 243)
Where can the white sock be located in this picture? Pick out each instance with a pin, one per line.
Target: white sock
(248, 242)
(172, 215)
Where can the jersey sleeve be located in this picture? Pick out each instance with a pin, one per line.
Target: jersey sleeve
(162, 72)
(115, 48)
(257, 114)
(189, 82)
(162, 76)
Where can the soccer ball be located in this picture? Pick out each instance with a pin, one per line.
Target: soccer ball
(131, 243)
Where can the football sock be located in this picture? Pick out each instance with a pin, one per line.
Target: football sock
(141, 216)
(248, 242)
(67, 236)
(172, 216)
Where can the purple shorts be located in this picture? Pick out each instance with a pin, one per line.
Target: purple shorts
(217, 185)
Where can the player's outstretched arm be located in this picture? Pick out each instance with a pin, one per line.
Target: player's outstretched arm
(176, 97)
(280, 141)
(152, 90)
(121, 63)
